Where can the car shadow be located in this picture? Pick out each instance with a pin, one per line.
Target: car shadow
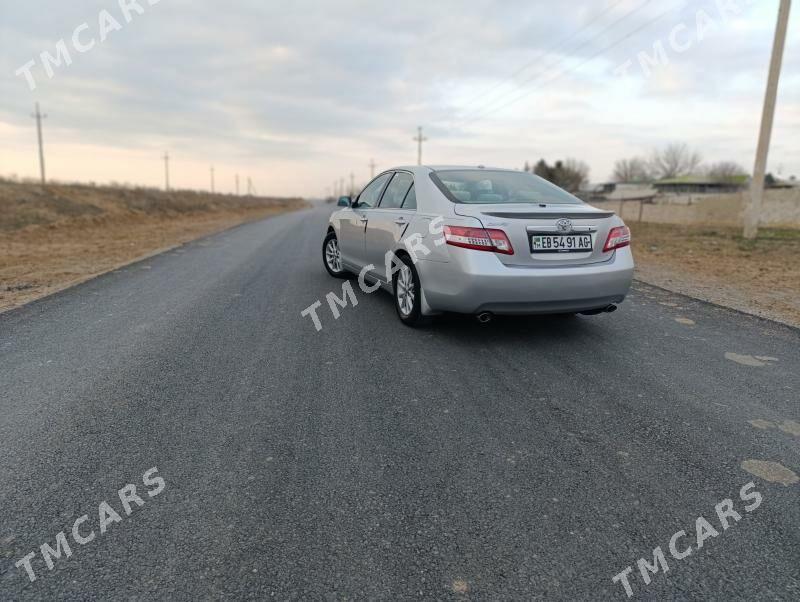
(466, 329)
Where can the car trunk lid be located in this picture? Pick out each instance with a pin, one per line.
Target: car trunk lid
(522, 221)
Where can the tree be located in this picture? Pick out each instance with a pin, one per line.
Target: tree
(543, 170)
(674, 160)
(726, 171)
(569, 174)
(631, 170)
(574, 175)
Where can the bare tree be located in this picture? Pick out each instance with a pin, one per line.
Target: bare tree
(674, 160)
(570, 174)
(631, 170)
(575, 174)
(725, 171)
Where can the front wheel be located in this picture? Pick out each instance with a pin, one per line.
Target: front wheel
(408, 294)
(332, 256)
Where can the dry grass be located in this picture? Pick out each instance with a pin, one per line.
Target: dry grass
(66, 234)
(718, 265)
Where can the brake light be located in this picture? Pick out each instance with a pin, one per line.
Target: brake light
(618, 237)
(480, 239)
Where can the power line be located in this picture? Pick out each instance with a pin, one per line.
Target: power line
(558, 75)
(38, 116)
(545, 53)
(489, 106)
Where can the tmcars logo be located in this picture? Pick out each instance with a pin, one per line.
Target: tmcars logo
(82, 531)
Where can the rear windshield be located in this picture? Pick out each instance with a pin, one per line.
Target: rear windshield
(481, 186)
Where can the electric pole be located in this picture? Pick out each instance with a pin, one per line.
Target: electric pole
(372, 167)
(237, 184)
(419, 140)
(166, 171)
(341, 185)
(352, 184)
(212, 179)
(38, 116)
(752, 213)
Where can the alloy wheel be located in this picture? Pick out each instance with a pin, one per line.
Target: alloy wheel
(405, 291)
(332, 255)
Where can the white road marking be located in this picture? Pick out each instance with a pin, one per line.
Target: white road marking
(771, 471)
(749, 360)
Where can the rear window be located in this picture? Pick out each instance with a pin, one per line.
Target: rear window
(481, 186)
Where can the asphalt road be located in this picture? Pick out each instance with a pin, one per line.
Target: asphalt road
(530, 458)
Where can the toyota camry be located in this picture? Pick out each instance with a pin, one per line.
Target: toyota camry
(479, 241)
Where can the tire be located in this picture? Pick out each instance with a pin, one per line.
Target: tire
(332, 258)
(408, 294)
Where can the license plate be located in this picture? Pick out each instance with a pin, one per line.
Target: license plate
(561, 243)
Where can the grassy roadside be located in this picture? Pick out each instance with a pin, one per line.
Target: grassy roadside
(760, 277)
(53, 239)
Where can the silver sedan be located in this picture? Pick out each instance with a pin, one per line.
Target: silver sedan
(479, 241)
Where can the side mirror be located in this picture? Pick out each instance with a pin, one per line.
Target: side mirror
(344, 201)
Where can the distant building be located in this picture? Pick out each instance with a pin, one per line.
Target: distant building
(615, 191)
(773, 182)
(700, 185)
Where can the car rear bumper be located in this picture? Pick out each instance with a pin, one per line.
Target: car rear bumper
(473, 282)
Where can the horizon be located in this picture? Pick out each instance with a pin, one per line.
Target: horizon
(284, 96)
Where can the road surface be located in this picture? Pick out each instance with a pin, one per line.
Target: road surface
(530, 458)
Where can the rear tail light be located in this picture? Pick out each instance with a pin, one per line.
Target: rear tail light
(480, 239)
(618, 237)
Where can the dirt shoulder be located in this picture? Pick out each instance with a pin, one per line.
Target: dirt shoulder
(53, 239)
(717, 265)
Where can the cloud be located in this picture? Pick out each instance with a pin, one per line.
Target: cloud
(320, 87)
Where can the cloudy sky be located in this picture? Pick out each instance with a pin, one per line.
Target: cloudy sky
(298, 94)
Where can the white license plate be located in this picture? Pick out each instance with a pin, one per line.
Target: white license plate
(561, 243)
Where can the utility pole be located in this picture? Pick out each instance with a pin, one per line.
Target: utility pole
(166, 171)
(237, 184)
(341, 185)
(352, 184)
(212, 179)
(372, 167)
(419, 140)
(752, 213)
(38, 116)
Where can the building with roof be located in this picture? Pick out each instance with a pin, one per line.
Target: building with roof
(701, 185)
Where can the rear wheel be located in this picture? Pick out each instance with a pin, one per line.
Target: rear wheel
(332, 256)
(408, 294)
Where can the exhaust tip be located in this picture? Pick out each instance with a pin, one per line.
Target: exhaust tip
(485, 317)
(608, 309)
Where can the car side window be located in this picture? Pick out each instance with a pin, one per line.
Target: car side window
(396, 191)
(370, 196)
(410, 201)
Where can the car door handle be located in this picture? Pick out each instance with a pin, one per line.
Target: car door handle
(400, 221)
(363, 220)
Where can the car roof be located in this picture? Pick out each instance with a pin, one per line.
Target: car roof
(417, 168)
